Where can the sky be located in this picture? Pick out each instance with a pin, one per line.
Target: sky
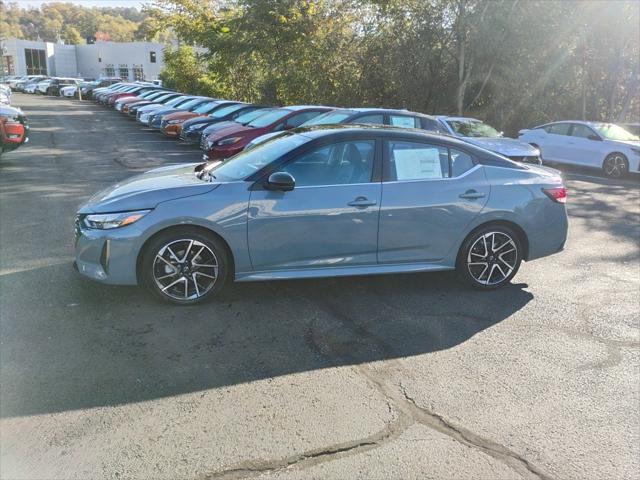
(86, 3)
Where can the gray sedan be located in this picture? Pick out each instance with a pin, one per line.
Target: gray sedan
(323, 202)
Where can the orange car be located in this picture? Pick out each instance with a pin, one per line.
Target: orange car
(14, 130)
(218, 109)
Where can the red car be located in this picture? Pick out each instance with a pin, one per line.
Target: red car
(13, 128)
(231, 140)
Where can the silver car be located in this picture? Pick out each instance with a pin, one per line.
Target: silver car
(479, 133)
(323, 202)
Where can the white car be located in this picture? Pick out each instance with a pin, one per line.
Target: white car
(479, 133)
(30, 88)
(41, 87)
(69, 91)
(589, 144)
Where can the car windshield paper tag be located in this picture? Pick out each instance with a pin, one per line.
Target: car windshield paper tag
(417, 163)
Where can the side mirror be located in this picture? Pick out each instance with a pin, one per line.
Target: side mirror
(594, 137)
(281, 181)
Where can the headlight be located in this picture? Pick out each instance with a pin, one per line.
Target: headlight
(107, 221)
(229, 141)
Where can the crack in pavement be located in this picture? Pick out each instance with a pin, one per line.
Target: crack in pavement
(408, 413)
(312, 457)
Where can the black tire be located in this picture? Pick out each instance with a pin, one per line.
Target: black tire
(470, 262)
(616, 165)
(184, 275)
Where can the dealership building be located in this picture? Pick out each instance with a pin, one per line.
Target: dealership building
(132, 60)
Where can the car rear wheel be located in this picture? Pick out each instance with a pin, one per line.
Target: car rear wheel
(185, 267)
(490, 257)
(615, 165)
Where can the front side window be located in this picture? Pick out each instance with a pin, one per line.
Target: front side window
(431, 125)
(335, 164)
(581, 131)
(403, 121)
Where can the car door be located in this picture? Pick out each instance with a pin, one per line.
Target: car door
(584, 148)
(556, 147)
(430, 193)
(329, 219)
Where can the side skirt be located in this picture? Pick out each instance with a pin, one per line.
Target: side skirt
(340, 271)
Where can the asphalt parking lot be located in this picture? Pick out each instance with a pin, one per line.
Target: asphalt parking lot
(392, 377)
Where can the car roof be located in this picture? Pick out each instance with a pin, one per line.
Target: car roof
(295, 108)
(383, 110)
(319, 131)
(457, 119)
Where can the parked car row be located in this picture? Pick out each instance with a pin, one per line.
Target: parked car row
(222, 128)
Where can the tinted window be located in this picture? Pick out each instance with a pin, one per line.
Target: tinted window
(329, 118)
(403, 121)
(460, 162)
(376, 119)
(336, 164)
(300, 118)
(269, 118)
(431, 125)
(559, 128)
(417, 161)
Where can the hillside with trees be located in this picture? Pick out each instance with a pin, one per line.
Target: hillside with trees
(73, 23)
(514, 63)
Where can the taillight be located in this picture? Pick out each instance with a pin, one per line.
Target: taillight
(558, 194)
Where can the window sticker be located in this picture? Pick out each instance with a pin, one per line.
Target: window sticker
(418, 163)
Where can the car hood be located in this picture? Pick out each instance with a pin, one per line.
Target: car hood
(180, 115)
(151, 107)
(626, 143)
(202, 121)
(233, 129)
(509, 147)
(146, 191)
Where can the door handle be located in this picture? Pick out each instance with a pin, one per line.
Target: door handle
(362, 202)
(472, 194)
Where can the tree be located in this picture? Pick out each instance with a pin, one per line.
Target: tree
(71, 36)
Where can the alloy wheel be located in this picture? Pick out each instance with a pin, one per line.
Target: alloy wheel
(492, 258)
(615, 166)
(185, 269)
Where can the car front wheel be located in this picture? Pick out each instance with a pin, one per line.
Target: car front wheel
(185, 267)
(490, 257)
(615, 165)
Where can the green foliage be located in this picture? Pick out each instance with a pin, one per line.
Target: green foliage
(73, 23)
(514, 63)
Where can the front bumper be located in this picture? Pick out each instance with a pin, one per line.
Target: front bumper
(107, 256)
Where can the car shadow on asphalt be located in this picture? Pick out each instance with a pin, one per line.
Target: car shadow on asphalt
(68, 343)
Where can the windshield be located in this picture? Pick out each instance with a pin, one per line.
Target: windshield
(611, 131)
(269, 118)
(328, 118)
(248, 162)
(206, 108)
(473, 128)
(192, 103)
(249, 117)
(176, 101)
(224, 111)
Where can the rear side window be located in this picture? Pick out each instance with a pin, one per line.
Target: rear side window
(404, 121)
(417, 161)
(422, 161)
(559, 128)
